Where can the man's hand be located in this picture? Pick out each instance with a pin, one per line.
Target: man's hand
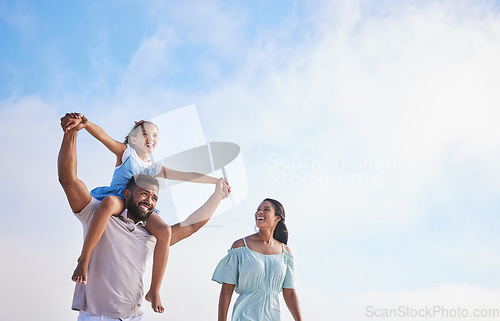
(73, 120)
(227, 186)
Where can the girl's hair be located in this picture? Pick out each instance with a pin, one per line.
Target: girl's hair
(134, 129)
(280, 232)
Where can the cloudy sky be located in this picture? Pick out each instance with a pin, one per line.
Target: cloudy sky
(373, 122)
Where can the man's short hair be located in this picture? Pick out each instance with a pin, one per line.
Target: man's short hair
(140, 179)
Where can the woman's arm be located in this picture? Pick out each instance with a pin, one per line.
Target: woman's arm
(186, 176)
(114, 146)
(226, 292)
(292, 302)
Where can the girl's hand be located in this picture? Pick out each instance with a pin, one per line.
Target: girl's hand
(223, 187)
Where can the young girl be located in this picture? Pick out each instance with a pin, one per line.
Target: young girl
(132, 158)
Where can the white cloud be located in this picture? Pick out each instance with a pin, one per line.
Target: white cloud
(403, 88)
(149, 61)
(205, 24)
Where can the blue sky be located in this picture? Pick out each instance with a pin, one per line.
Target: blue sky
(75, 41)
(374, 122)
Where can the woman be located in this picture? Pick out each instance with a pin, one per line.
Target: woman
(258, 267)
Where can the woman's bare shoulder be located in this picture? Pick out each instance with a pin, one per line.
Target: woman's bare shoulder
(238, 243)
(241, 243)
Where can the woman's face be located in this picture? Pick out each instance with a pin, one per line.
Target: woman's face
(265, 215)
(145, 138)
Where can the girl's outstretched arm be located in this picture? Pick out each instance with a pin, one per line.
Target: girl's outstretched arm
(186, 176)
(114, 146)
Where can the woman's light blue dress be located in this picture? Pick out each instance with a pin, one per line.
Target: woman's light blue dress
(258, 279)
(131, 166)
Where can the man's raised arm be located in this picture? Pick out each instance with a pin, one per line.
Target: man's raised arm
(201, 216)
(77, 193)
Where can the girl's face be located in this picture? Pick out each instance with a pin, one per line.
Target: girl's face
(145, 138)
(265, 216)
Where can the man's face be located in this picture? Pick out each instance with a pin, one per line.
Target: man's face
(142, 201)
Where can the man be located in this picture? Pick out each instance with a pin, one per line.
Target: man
(114, 289)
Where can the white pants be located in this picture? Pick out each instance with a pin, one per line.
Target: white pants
(90, 317)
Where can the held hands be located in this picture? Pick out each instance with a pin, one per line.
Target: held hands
(222, 188)
(73, 120)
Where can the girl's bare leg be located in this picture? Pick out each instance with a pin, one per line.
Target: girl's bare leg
(110, 205)
(162, 232)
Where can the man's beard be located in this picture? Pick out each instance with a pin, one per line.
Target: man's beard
(136, 212)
